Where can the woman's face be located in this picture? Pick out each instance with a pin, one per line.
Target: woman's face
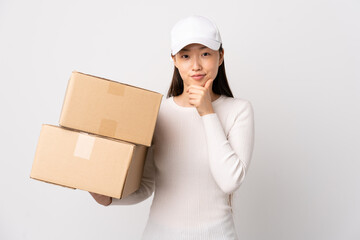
(197, 59)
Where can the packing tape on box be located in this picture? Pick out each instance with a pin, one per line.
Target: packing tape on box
(84, 146)
(107, 127)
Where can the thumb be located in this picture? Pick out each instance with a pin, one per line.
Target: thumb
(208, 84)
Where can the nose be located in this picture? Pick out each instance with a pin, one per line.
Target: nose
(196, 64)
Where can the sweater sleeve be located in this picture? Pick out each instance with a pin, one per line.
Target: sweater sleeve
(229, 155)
(147, 183)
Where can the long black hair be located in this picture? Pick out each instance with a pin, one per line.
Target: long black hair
(219, 86)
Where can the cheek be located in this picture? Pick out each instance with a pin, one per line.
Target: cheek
(213, 75)
(214, 69)
(182, 73)
(183, 70)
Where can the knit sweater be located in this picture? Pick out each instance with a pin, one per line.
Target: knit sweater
(193, 165)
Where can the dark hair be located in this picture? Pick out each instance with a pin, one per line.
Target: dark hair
(219, 86)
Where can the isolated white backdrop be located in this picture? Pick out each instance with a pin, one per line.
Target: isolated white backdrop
(296, 61)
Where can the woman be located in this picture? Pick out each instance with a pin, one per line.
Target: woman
(202, 144)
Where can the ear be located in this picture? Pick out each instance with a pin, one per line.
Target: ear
(174, 59)
(221, 57)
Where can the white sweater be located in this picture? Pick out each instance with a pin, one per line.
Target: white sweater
(193, 165)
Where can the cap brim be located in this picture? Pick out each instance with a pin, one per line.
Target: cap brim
(212, 44)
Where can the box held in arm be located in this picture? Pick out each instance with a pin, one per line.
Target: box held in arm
(88, 162)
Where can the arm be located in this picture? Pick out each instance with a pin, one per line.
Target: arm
(146, 186)
(229, 156)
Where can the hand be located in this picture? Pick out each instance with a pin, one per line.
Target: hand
(101, 199)
(199, 97)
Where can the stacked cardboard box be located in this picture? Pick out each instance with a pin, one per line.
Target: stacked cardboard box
(101, 144)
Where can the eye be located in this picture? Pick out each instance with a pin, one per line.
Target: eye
(207, 53)
(184, 56)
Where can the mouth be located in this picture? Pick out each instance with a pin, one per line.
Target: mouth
(198, 76)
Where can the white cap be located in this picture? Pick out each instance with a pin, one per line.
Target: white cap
(194, 29)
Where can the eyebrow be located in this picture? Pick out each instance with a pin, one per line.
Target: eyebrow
(186, 50)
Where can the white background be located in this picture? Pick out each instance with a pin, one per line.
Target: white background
(296, 61)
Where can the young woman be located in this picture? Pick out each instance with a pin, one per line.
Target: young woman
(202, 144)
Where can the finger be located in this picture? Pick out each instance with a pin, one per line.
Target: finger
(196, 95)
(194, 98)
(196, 91)
(208, 84)
(195, 87)
(193, 101)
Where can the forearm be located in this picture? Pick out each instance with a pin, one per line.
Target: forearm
(229, 155)
(140, 195)
(144, 192)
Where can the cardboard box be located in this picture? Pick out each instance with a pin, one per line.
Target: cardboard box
(89, 162)
(105, 107)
